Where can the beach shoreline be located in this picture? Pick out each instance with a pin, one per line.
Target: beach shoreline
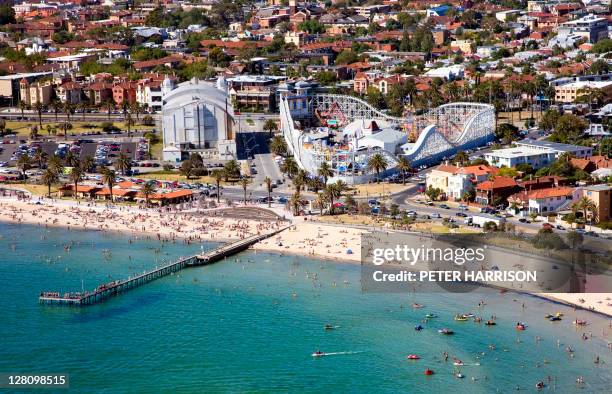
(313, 239)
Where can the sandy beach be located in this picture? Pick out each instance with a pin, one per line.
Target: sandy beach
(308, 238)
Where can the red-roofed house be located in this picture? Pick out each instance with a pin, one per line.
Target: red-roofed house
(495, 191)
(543, 200)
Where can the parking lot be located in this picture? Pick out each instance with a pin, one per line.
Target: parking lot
(103, 152)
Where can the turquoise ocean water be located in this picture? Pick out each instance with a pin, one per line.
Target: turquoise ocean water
(251, 326)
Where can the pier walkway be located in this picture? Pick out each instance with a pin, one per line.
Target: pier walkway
(107, 290)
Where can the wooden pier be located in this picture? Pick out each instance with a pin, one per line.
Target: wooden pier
(107, 290)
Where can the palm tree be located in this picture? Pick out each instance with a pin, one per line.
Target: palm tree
(461, 157)
(129, 122)
(123, 163)
(231, 169)
(290, 167)
(55, 164)
(136, 108)
(87, 163)
(320, 202)
(244, 182)
(109, 105)
(71, 159)
(296, 203)
(403, 165)
(585, 205)
(109, 177)
(39, 107)
(218, 175)
(325, 171)
(76, 176)
(40, 158)
(146, 191)
(300, 179)
(49, 178)
(270, 125)
(24, 163)
(377, 163)
(278, 146)
(332, 192)
(68, 109)
(56, 105)
(22, 107)
(268, 183)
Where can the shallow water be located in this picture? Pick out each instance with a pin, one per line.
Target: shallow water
(251, 325)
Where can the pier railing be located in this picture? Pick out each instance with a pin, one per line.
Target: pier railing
(107, 290)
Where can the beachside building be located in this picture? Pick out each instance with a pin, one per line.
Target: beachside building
(198, 117)
(495, 191)
(455, 181)
(601, 195)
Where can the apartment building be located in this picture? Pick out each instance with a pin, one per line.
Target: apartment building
(601, 195)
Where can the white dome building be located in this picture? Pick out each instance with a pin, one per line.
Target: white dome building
(197, 117)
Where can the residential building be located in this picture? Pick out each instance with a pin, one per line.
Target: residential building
(37, 92)
(69, 92)
(591, 27)
(455, 181)
(601, 195)
(511, 157)
(124, 92)
(495, 191)
(556, 147)
(256, 92)
(569, 92)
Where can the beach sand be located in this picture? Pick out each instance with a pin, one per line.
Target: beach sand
(308, 238)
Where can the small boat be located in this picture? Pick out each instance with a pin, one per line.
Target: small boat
(446, 331)
(318, 354)
(520, 326)
(458, 363)
(579, 322)
(329, 327)
(429, 372)
(430, 316)
(554, 318)
(413, 357)
(490, 323)
(539, 385)
(468, 315)
(418, 327)
(459, 375)
(415, 305)
(460, 318)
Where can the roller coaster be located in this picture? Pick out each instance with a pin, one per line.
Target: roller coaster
(438, 133)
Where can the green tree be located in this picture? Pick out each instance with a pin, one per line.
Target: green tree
(269, 188)
(24, 163)
(403, 165)
(332, 193)
(346, 57)
(76, 176)
(325, 171)
(123, 163)
(109, 177)
(147, 190)
(231, 170)
(186, 169)
(270, 126)
(377, 163)
(290, 167)
(218, 175)
(49, 178)
(278, 146)
(244, 182)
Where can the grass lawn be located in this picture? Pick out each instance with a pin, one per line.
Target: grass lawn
(37, 190)
(379, 189)
(156, 150)
(78, 127)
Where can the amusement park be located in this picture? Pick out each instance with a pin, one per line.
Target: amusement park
(345, 132)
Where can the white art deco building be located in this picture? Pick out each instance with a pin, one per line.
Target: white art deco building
(198, 117)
